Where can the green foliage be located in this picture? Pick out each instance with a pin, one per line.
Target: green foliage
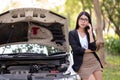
(86, 4)
(112, 69)
(73, 8)
(112, 45)
(111, 73)
(111, 8)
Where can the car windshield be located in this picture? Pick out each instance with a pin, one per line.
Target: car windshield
(29, 48)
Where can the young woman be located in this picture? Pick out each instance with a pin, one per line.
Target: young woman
(82, 41)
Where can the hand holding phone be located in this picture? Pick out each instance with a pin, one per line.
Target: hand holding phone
(88, 28)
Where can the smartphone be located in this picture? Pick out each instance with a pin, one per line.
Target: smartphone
(87, 27)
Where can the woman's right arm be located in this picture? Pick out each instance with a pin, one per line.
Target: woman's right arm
(88, 51)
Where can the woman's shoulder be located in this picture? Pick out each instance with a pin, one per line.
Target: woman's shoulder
(72, 31)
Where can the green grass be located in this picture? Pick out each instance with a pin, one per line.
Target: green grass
(112, 69)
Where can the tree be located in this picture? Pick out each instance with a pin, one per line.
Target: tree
(113, 13)
(99, 30)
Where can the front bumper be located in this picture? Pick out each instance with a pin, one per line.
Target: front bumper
(37, 77)
(70, 77)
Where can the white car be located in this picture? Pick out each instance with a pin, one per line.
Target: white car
(34, 46)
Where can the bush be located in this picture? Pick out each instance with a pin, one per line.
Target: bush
(112, 45)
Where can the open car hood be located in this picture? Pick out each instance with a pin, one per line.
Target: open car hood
(33, 25)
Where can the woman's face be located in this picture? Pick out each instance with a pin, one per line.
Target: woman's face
(83, 21)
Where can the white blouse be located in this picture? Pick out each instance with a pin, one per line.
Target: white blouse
(83, 41)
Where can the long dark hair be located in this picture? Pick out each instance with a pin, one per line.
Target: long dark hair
(83, 13)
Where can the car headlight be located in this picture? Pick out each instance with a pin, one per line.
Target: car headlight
(71, 77)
